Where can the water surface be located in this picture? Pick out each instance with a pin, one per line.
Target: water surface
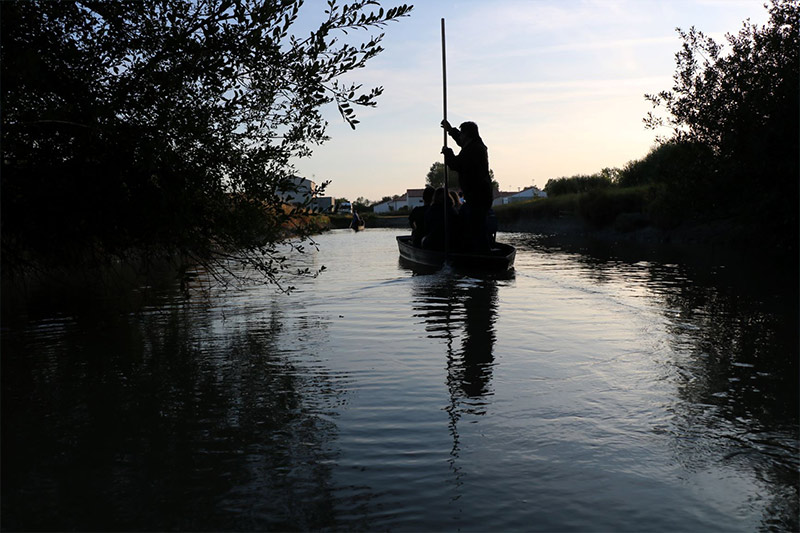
(594, 389)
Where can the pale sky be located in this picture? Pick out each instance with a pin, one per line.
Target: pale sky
(556, 87)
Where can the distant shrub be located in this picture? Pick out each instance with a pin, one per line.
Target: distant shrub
(578, 184)
(672, 162)
(601, 207)
(537, 208)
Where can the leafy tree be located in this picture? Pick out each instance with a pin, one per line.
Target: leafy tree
(361, 204)
(495, 184)
(169, 125)
(741, 103)
(435, 177)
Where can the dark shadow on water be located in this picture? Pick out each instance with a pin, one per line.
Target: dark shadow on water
(161, 420)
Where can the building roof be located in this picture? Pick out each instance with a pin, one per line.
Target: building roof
(503, 194)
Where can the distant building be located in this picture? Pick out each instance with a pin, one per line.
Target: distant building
(389, 206)
(414, 198)
(324, 204)
(411, 199)
(504, 198)
(305, 190)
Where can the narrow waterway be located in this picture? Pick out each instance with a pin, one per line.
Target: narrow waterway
(593, 389)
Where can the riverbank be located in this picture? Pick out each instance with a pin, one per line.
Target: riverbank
(370, 220)
(636, 228)
(627, 228)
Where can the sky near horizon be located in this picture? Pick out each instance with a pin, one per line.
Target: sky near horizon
(556, 87)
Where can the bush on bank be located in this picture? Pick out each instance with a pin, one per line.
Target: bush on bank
(597, 208)
(733, 157)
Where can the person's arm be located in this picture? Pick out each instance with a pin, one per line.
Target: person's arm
(451, 160)
(453, 132)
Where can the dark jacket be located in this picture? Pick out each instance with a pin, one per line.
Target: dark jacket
(472, 165)
(416, 219)
(434, 227)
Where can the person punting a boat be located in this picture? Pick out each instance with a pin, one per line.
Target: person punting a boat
(472, 165)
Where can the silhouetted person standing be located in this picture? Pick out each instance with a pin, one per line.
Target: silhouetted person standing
(472, 165)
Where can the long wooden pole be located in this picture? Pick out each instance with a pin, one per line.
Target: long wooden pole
(444, 115)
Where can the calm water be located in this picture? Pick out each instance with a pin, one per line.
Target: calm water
(589, 391)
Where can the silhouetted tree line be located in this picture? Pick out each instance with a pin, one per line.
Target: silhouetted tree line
(581, 183)
(733, 115)
(167, 125)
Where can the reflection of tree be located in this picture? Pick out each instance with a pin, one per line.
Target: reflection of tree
(453, 307)
(185, 425)
(737, 384)
(732, 328)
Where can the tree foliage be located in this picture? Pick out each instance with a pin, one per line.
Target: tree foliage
(740, 102)
(361, 204)
(169, 125)
(580, 183)
(435, 177)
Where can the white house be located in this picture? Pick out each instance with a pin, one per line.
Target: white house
(305, 189)
(395, 204)
(323, 203)
(411, 199)
(414, 198)
(528, 193)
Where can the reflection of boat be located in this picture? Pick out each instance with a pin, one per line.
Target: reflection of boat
(500, 259)
(456, 307)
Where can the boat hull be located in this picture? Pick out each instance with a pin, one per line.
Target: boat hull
(500, 259)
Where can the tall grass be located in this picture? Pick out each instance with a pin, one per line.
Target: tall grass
(597, 207)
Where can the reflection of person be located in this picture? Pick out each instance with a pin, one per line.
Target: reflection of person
(480, 308)
(472, 165)
(435, 222)
(416, 218)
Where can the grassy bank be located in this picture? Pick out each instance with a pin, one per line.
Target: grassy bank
(601, 208)
(647, 214)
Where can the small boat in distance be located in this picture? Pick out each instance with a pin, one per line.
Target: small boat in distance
(499, 259)
(357, 224)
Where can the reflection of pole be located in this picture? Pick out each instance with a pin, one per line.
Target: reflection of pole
(452, 387)
(444, 113)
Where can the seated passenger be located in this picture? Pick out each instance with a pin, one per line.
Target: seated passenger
(416, 219)
(435, 223)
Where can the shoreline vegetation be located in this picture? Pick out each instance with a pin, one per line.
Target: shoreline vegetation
(540, 217)
(127, 282)
(120, 165)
